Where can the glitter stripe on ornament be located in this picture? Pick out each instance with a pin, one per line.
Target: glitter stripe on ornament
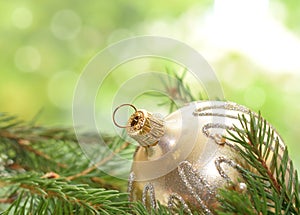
(188, 175)
(130, 185)
(232, 107)
(218, 138)
(238, 108)
(223, 106)
(231, 163)
(149, 191)
(171, 204)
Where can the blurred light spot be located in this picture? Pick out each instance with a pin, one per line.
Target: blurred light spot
(241, 8)
(231, 75)
(278, 10)
(118, 35)
(88, 41)
(255, 97)
(65, 24)
(248, 27)
(291, 86)
(21, 17)
(27, 59)
(60, 89)
(163, 27)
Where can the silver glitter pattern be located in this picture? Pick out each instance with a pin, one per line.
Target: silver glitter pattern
(232, 107)
(188, 174)
(130, 185)
(224, 106)
(175, 196)
(230, 162)
(218, 138)
(149, 191)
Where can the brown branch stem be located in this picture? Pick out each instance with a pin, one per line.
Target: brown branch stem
(264, 164)
(101, 162)
(270, 175)
(26, 145)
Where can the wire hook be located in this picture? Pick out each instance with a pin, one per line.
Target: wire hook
(115, 111)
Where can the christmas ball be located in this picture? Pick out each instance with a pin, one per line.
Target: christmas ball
(183, 158)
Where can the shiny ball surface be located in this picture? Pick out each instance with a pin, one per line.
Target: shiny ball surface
(192, 160)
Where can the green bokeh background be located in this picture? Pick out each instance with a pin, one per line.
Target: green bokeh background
(45, 46)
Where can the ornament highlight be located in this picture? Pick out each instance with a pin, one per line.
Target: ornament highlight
(184, 158)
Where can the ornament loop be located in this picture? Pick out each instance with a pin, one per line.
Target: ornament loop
(115, 111)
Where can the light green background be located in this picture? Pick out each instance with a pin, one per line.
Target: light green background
(254, 47)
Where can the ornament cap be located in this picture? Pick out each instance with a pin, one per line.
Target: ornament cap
(146, 128)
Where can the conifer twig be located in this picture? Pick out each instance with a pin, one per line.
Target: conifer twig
(26, 145)
(101, 162)
(272, 182)
(44, 193)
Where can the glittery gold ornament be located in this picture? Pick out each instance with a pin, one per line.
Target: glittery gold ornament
(184, 158)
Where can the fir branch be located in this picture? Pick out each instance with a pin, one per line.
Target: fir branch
(40, 195)
(272, 183)
(140, 209)
(29, 146)
(235, 203)
(100, 163)
(26, 149)
(178, 91)
(14, 129)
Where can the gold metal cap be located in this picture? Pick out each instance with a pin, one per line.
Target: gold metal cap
(143, 126)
